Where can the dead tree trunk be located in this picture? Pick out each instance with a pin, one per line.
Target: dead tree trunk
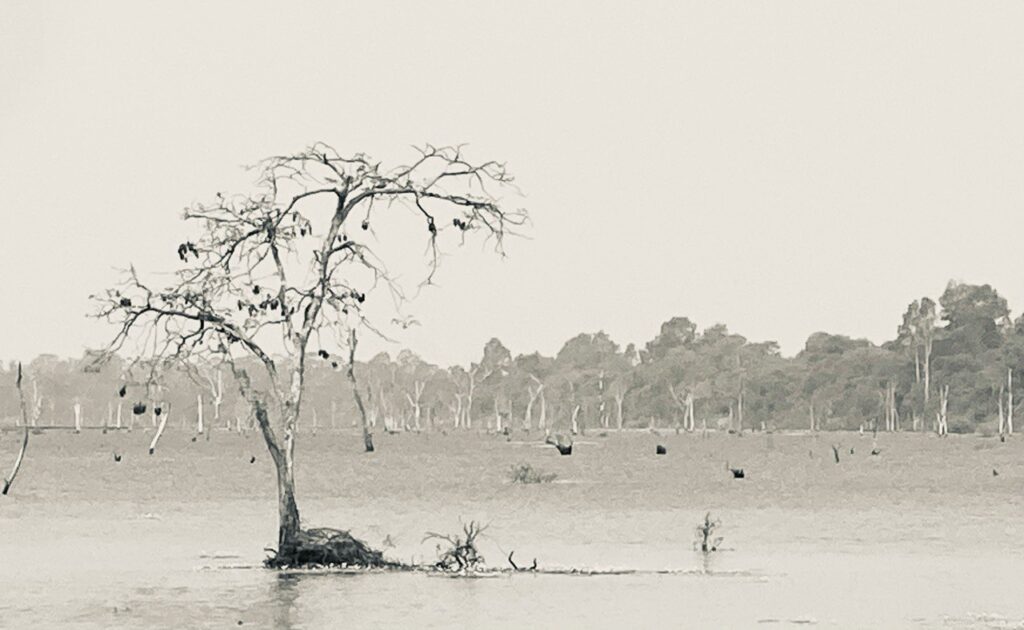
(1002, 417)
(1009, 401)
(78, 417)
(469, 399)
(943, 420)
(542, 421)
(619, 399)
(927, 370)
(199, 414)
(24, 439)
(38, 401)
(164, 414)
(739, 408)
(367, 435)
(691, 422)
(679, 403)
(118, 421)
(414, 402)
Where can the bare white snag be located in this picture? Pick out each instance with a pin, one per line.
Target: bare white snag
(199, 414)
(165, 413)
(943, 420)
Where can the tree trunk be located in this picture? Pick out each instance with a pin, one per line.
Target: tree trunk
(691, 423)
(118, 415)
(917, 364)
(199, 414)
(38, 403)
(287, 508)
(1009, 405)
(739, 410)
(78, 417)
(542, 422)
(927, 370)
(943, 409)
(160, 429)
(1002, 418)
(367, 436)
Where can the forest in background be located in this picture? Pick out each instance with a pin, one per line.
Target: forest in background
(953, 362)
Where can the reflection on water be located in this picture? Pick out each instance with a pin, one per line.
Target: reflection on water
(282, 594)
(922, 537)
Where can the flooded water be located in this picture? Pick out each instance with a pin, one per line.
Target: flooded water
(923, 535)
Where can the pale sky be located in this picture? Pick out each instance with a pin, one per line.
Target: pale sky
(782, 167)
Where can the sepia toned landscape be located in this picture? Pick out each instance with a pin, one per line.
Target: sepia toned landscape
(532, 315)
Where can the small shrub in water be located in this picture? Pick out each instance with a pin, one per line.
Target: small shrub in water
(462, 554)
(706, 540)
(525, 473)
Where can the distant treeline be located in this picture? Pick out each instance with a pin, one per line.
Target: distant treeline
(964, 349)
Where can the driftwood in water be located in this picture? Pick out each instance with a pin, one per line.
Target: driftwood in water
(24, 440)
(835, 452)
(516, 567)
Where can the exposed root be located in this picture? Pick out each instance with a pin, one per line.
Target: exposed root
(327, 547)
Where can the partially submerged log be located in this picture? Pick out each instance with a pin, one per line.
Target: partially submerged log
(516, 567)
(324, 547)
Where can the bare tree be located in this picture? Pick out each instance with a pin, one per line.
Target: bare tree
(269, 271)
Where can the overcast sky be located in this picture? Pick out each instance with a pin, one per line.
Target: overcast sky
(782, 167)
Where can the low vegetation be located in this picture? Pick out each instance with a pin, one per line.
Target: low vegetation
(525, 473)
(706, 540)
(461, 553)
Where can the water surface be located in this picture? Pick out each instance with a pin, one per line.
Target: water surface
(921, 536)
